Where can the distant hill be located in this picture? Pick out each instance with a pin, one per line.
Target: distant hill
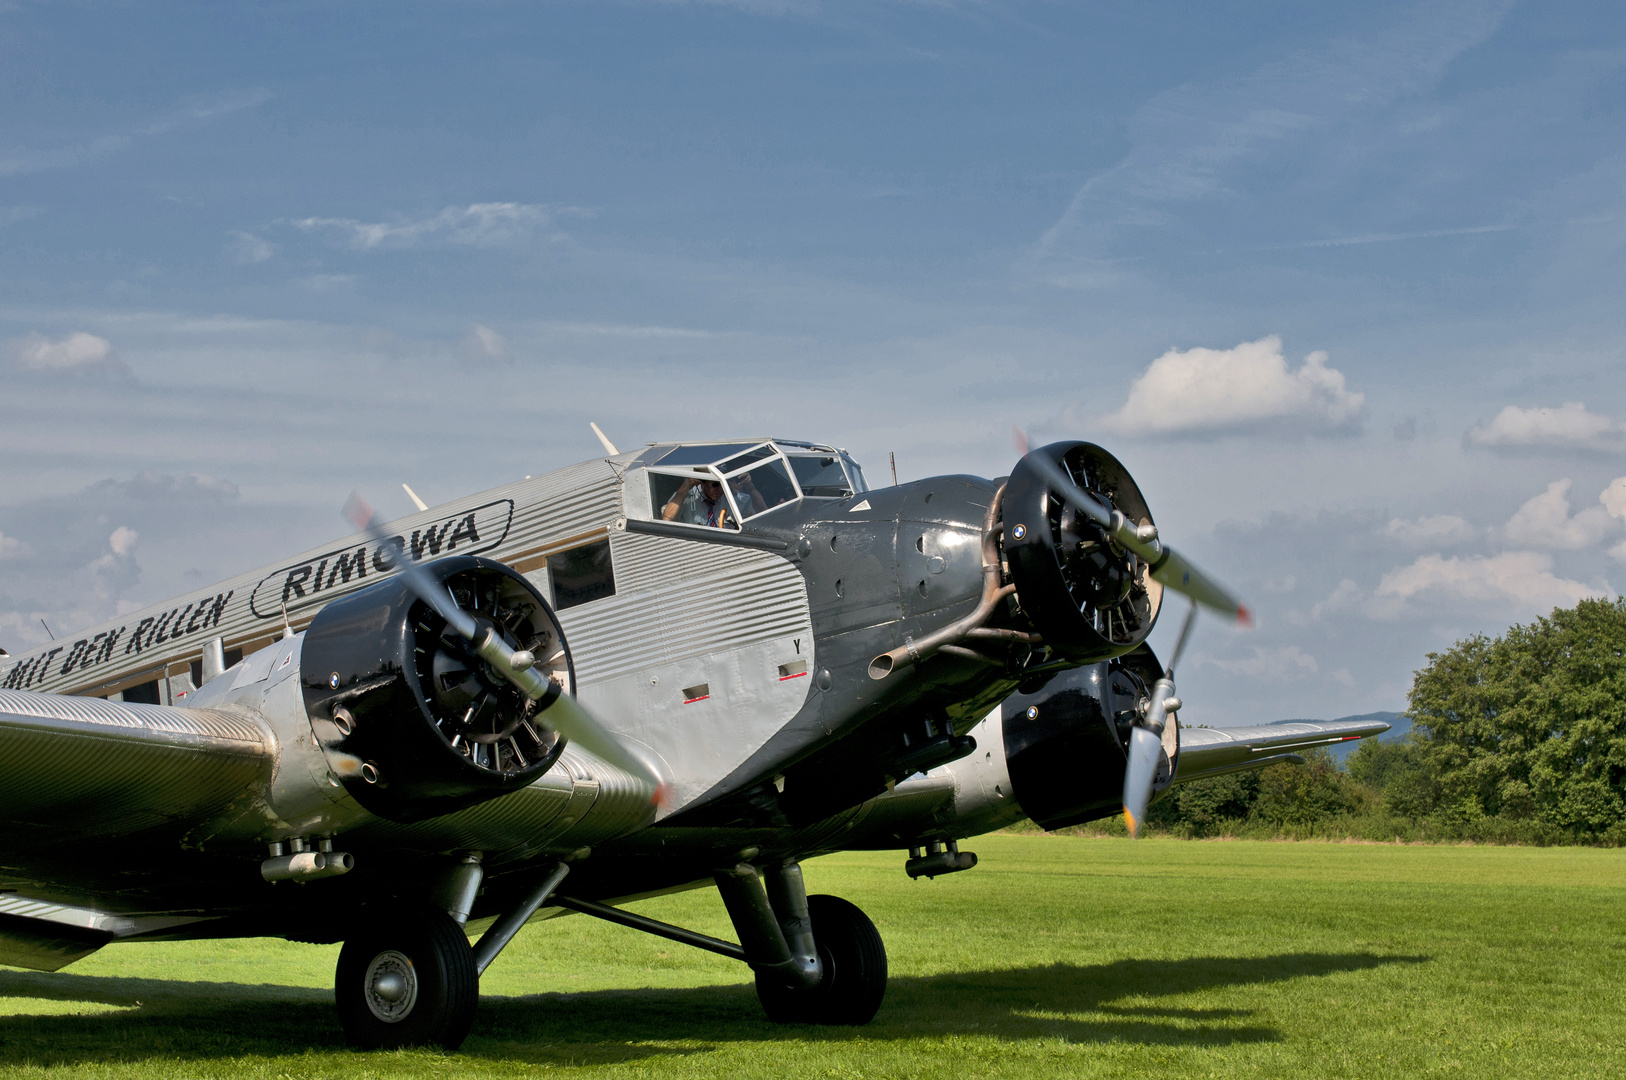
(1399, 727)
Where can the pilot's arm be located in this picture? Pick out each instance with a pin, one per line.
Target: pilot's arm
(669, 512)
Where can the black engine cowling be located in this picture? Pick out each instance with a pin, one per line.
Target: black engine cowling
(413, 722)
(1065, 743)
(1089, 598)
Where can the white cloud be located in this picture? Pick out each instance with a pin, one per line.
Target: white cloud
(123, 540)
(116, 569)
(485, 345)
(1341, 598)
(1568, 427)
(1522, 578)
(1613, 497)
(13, 548)
(246, 248)
(78, 352)
(1277, 665)
(1250, 386)
(478, 225)
(1430, 530)
(1545, 521)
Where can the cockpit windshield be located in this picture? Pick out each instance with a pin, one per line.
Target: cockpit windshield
(723, 484)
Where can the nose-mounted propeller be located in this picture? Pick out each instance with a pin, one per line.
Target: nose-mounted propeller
(1169, 569)
(555, 709)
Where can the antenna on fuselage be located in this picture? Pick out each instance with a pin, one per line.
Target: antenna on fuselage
(892, 459)
(413, 495)
(609, 447)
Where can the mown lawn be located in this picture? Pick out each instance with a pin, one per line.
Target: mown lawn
(1058, 956)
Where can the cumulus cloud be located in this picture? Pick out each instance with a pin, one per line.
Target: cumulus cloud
(485, 345)
(115, 570)
(478, 225)
(246, 248)
(78, 353)
(1246, 388)
(1276, 664)
(13, 548)
(1521, 578)
(1545, 521)
(1568, 427)
(1430, 530)
(1342, 598)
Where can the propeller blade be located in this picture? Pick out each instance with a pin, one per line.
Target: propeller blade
(361, 514)
(557, 710)
(1141, 771)
(1145, 748)
(1176, 572)
(1172, 570)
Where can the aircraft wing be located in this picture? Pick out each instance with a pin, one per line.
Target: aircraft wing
(1206, 751)
(75, 769)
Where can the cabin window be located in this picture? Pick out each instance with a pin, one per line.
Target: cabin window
(143, 694)
(581, 575)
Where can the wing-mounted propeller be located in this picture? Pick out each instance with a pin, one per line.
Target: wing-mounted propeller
(1091, 533)
(1089, 595)
(446, 685)
(1090, 569)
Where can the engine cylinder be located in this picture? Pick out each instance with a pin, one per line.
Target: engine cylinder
(414, 723)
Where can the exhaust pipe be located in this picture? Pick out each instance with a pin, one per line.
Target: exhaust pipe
(307, 866)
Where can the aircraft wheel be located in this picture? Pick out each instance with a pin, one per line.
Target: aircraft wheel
(854, 960)
(408, 982)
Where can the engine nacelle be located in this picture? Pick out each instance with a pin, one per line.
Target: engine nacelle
(413, 722)
(1065, 743)
(1089, 598)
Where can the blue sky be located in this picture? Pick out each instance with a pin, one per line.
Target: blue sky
(1341, 284)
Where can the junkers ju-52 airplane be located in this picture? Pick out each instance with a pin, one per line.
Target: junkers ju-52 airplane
(691, 664)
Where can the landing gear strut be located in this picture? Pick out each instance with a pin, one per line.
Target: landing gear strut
(408, 981)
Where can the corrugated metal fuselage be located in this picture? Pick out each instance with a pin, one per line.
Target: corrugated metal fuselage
(738, 660)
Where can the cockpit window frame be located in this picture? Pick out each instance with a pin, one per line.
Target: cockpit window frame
(707, 461)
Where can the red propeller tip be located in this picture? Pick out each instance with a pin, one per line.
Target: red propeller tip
(1019, 439)
(1244, 617)
(662, 797)
(358, 510)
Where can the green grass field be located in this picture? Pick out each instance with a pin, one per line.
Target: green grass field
(1058, 956)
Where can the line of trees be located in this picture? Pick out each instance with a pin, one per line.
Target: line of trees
(1519, 738)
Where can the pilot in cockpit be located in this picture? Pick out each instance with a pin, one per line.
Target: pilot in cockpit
(701, 502)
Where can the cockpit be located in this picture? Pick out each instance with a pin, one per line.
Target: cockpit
(726, 484)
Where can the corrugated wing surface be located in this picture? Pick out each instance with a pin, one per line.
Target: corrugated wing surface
(80, 767)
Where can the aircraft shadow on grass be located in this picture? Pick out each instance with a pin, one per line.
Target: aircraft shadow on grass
(1081, 1004)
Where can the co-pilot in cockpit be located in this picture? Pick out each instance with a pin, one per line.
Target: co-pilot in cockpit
(723, 484)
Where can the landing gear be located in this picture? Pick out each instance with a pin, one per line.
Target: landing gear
(854, 971)
(410, 981)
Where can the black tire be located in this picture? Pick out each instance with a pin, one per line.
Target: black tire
(410, 981)
(854, 960)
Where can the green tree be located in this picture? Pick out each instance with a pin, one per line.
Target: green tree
(1305, 794)
(1398, 771)
(1531, 724)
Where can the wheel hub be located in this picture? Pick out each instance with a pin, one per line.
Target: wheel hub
(392, 986)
